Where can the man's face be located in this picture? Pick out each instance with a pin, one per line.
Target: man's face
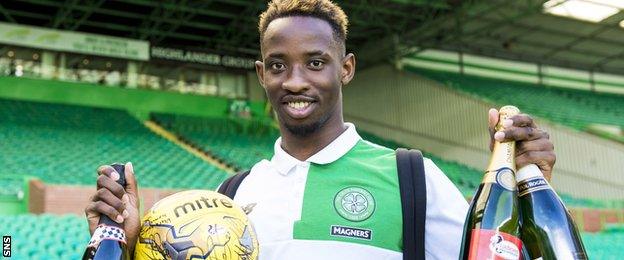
(302, 71)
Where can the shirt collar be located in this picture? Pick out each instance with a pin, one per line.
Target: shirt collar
(284, 162)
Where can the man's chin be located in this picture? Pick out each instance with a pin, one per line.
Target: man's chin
(304, 129)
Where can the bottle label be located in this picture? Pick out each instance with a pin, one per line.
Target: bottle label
(495, 245)
(532, 184)
(104, 232)
(505, 177)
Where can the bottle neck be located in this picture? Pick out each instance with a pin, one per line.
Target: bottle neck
(531, 179)
(529, 172)
(503, 156)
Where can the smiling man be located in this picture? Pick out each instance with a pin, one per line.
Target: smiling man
(327, 193)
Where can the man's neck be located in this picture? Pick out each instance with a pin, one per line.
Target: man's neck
(303, 147)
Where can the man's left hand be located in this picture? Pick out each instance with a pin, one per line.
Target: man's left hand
(533, 145)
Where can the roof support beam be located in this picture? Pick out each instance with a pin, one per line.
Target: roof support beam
(206, 12)
(6, 14)
(64, 12)
(576, 41)
(183, 19)
(600, 64)
(493, 51)
(93, 5)
(531, 7)
(237, 31)
(145, 29)
(531, 28)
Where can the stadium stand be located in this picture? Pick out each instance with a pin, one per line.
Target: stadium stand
(574, 108)
(232, 141)
(62, 144)
(226, 139)
(606, 244)
(46, 236)
(239, 143)
(467, 179)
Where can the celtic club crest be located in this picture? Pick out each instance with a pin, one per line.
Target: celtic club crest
(354, 204)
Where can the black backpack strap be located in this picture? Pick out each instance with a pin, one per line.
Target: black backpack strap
(411, 172)
(230, 185)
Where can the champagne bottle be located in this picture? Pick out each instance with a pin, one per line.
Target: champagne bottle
(492, 229)
(547, 229)
(109, 239)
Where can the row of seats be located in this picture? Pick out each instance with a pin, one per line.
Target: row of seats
(64, 144)
(574, 108)
(239, 143)
(467, 179)
(228, 139)
(608, 244)
(234, 142)
(46, 236)
(65, 237)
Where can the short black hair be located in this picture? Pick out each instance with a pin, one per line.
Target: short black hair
(323, 9)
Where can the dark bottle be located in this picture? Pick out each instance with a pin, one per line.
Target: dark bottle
(547, 228)
(110, 234)
(492, 229)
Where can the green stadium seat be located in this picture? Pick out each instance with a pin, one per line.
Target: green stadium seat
(63, 144)
(230, 140)
(582, 108)
(467, 179)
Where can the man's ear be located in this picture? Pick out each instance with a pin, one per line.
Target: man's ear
(348, 68)
(260, 72)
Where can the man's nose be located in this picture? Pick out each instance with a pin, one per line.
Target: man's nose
(296, 81)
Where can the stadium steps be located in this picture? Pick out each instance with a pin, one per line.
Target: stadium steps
(187, 146)
(225, 139)
(63, 144)
(235, 142)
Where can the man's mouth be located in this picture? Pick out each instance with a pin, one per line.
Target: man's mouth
(299, 105)
(299, 109)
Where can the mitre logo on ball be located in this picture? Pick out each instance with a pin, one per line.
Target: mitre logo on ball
(196, 224)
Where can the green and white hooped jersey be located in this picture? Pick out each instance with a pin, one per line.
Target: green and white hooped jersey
(344, 203)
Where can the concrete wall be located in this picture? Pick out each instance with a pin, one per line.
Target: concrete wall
(424, 114)
(72, 199)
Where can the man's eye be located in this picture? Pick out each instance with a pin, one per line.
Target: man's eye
(316, 64)
(277, 66)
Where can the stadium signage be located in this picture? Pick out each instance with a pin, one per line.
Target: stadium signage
(166, 53)
(85, 43)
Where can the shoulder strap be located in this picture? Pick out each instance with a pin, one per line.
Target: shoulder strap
(230, 185)
(412, 185)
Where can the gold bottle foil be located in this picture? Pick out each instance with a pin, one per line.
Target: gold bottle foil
(502, 166)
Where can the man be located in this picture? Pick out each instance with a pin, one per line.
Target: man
(323, 175)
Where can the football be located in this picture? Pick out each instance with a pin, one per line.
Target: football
(196, 224)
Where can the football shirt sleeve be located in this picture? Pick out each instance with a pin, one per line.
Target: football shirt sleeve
(446, 213)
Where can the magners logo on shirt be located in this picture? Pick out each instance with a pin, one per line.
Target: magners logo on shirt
(342, 231)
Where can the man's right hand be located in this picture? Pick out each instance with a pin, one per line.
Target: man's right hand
(118, 203)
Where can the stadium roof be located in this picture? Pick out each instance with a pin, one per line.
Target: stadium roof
(517, 30)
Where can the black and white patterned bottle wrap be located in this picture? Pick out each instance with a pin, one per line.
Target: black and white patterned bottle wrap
(104, 232)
